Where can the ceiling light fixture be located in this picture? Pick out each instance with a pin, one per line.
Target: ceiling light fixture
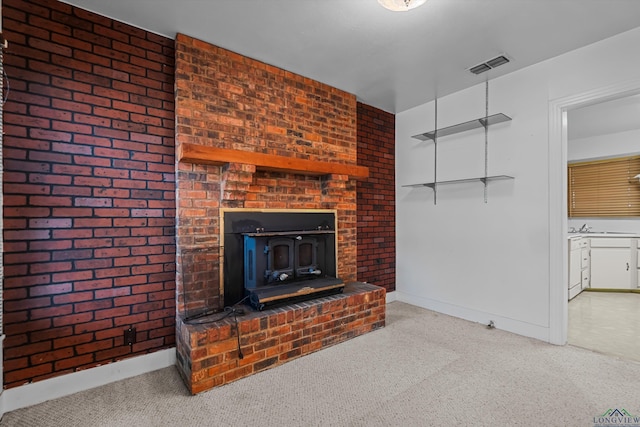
(401, 5)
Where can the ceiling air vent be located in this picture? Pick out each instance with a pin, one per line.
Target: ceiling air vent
(488, 65)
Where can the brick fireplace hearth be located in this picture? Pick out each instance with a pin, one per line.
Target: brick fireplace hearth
(208, 354)
(252, 136)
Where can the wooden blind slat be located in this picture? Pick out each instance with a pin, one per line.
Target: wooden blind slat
(604, 188)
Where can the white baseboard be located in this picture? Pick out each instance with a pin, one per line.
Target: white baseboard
(391, 297)
(510, 325)
(64, 385)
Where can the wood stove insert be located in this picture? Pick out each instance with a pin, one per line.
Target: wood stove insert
(279, 257)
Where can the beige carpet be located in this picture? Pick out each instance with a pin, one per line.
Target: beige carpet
(423, 369)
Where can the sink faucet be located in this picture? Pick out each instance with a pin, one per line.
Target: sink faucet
(584, 229)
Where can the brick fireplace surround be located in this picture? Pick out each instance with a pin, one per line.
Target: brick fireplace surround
(253, 136)
(91, 129)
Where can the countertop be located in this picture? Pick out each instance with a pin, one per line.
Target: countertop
(604, 234)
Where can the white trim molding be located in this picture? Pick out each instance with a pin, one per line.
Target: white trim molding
(64, 385)
(499, 322)
(558, 257)
(391, 297)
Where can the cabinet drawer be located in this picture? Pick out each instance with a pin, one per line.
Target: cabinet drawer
(584, 243)
(610, 243)
(585, 258)
(574, 243)
(585, 279)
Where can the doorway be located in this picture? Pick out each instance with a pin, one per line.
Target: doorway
(606, 322)
(558, 228)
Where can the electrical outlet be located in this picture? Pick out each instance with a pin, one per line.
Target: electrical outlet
(130, 336)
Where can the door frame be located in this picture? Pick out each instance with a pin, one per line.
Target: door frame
(558, 255)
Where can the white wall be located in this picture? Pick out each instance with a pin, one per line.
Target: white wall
(612, 145)
(491, 261)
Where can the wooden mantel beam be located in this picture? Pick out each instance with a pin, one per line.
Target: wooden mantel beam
(198, 154)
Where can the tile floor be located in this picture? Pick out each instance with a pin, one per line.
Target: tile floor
(606, 322)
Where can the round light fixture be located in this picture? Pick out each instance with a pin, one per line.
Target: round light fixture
(401, 5)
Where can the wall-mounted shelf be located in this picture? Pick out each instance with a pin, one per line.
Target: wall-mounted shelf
(482, 179)
(463, 127)
(434, 135)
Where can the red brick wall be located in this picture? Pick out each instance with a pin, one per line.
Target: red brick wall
(89, 190)
(376, 198)
(226, 100)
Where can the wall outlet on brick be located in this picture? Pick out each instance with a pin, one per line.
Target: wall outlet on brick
(130, 336)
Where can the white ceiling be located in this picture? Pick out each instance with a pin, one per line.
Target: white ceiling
(393, 61)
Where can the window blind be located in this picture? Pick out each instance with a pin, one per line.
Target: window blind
(604, 188)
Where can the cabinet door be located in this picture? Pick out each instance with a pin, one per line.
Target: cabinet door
(610, 268)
